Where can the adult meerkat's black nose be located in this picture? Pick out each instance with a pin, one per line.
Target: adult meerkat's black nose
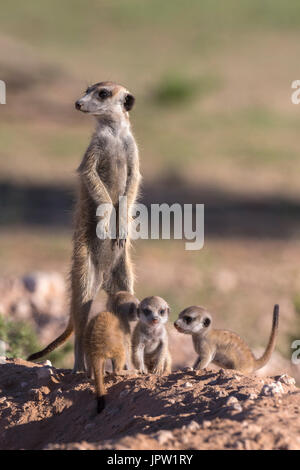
(78, 105)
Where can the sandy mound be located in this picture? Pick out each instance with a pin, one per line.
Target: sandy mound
(43, 407)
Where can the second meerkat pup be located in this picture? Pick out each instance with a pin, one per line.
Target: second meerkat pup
(150, 352)
(107, 336)
(222, 347)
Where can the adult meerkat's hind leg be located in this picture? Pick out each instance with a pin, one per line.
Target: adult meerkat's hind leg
(86, 281)
(168, 363)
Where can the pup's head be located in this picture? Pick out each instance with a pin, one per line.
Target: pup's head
(153, 311)
(105, 99)
(124, 304)
(193, 320)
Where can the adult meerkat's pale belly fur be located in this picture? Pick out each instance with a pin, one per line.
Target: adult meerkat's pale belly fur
(109, 170)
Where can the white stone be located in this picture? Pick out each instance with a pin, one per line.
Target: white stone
(231, 401)
(188, 385)
(287, 380)
(193, 426)
(272, 389)
(163, 436)
(206, 424)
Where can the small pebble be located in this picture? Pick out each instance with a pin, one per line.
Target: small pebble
(163, 436)
(193, 426)
(231, 401)
(188, 385)
(272, 389)
(206, 424)
(287, 380)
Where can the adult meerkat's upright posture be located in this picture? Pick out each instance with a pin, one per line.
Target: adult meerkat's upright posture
(108, 171)
(222, 347)
(107, 336)
(150, 352)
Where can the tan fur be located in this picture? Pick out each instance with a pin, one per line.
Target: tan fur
(150, 352)
(109, 169)
(107, 336)
(222, 347)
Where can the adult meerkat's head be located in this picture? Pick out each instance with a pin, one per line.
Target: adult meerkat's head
(193, 320)
(153, 311)
(107, 99)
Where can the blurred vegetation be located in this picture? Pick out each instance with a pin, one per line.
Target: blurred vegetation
(174, 88)
(19, 336)
(21, 340)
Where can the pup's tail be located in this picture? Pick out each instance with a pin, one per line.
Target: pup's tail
(98, 368)
(272, 341)
(57, 342)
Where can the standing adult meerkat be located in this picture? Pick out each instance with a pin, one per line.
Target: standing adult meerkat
(107, 336)
(150, 352)
(222, 347)
(108, 171)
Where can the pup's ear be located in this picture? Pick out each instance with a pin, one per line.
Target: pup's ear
(129, 101)
(206, 322)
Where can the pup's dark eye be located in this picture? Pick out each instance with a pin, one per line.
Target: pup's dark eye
(104, 94)
(147, 311)
(188, 320)
(162, 311)
(206, 322)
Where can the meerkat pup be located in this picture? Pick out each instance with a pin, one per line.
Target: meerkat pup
(150, 352)
(222, 347)
(107, 336)
(108, 173)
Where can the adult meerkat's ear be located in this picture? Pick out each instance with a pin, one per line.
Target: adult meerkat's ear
(129, 101)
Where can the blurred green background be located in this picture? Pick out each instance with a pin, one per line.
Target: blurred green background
(215, 125)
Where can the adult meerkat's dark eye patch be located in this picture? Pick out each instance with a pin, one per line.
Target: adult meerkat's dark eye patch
(104, 93)
(188, 320)
(129, 102)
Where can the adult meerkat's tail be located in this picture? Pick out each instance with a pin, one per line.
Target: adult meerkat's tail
(98, 368)
(57, 342)
(271, 344)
